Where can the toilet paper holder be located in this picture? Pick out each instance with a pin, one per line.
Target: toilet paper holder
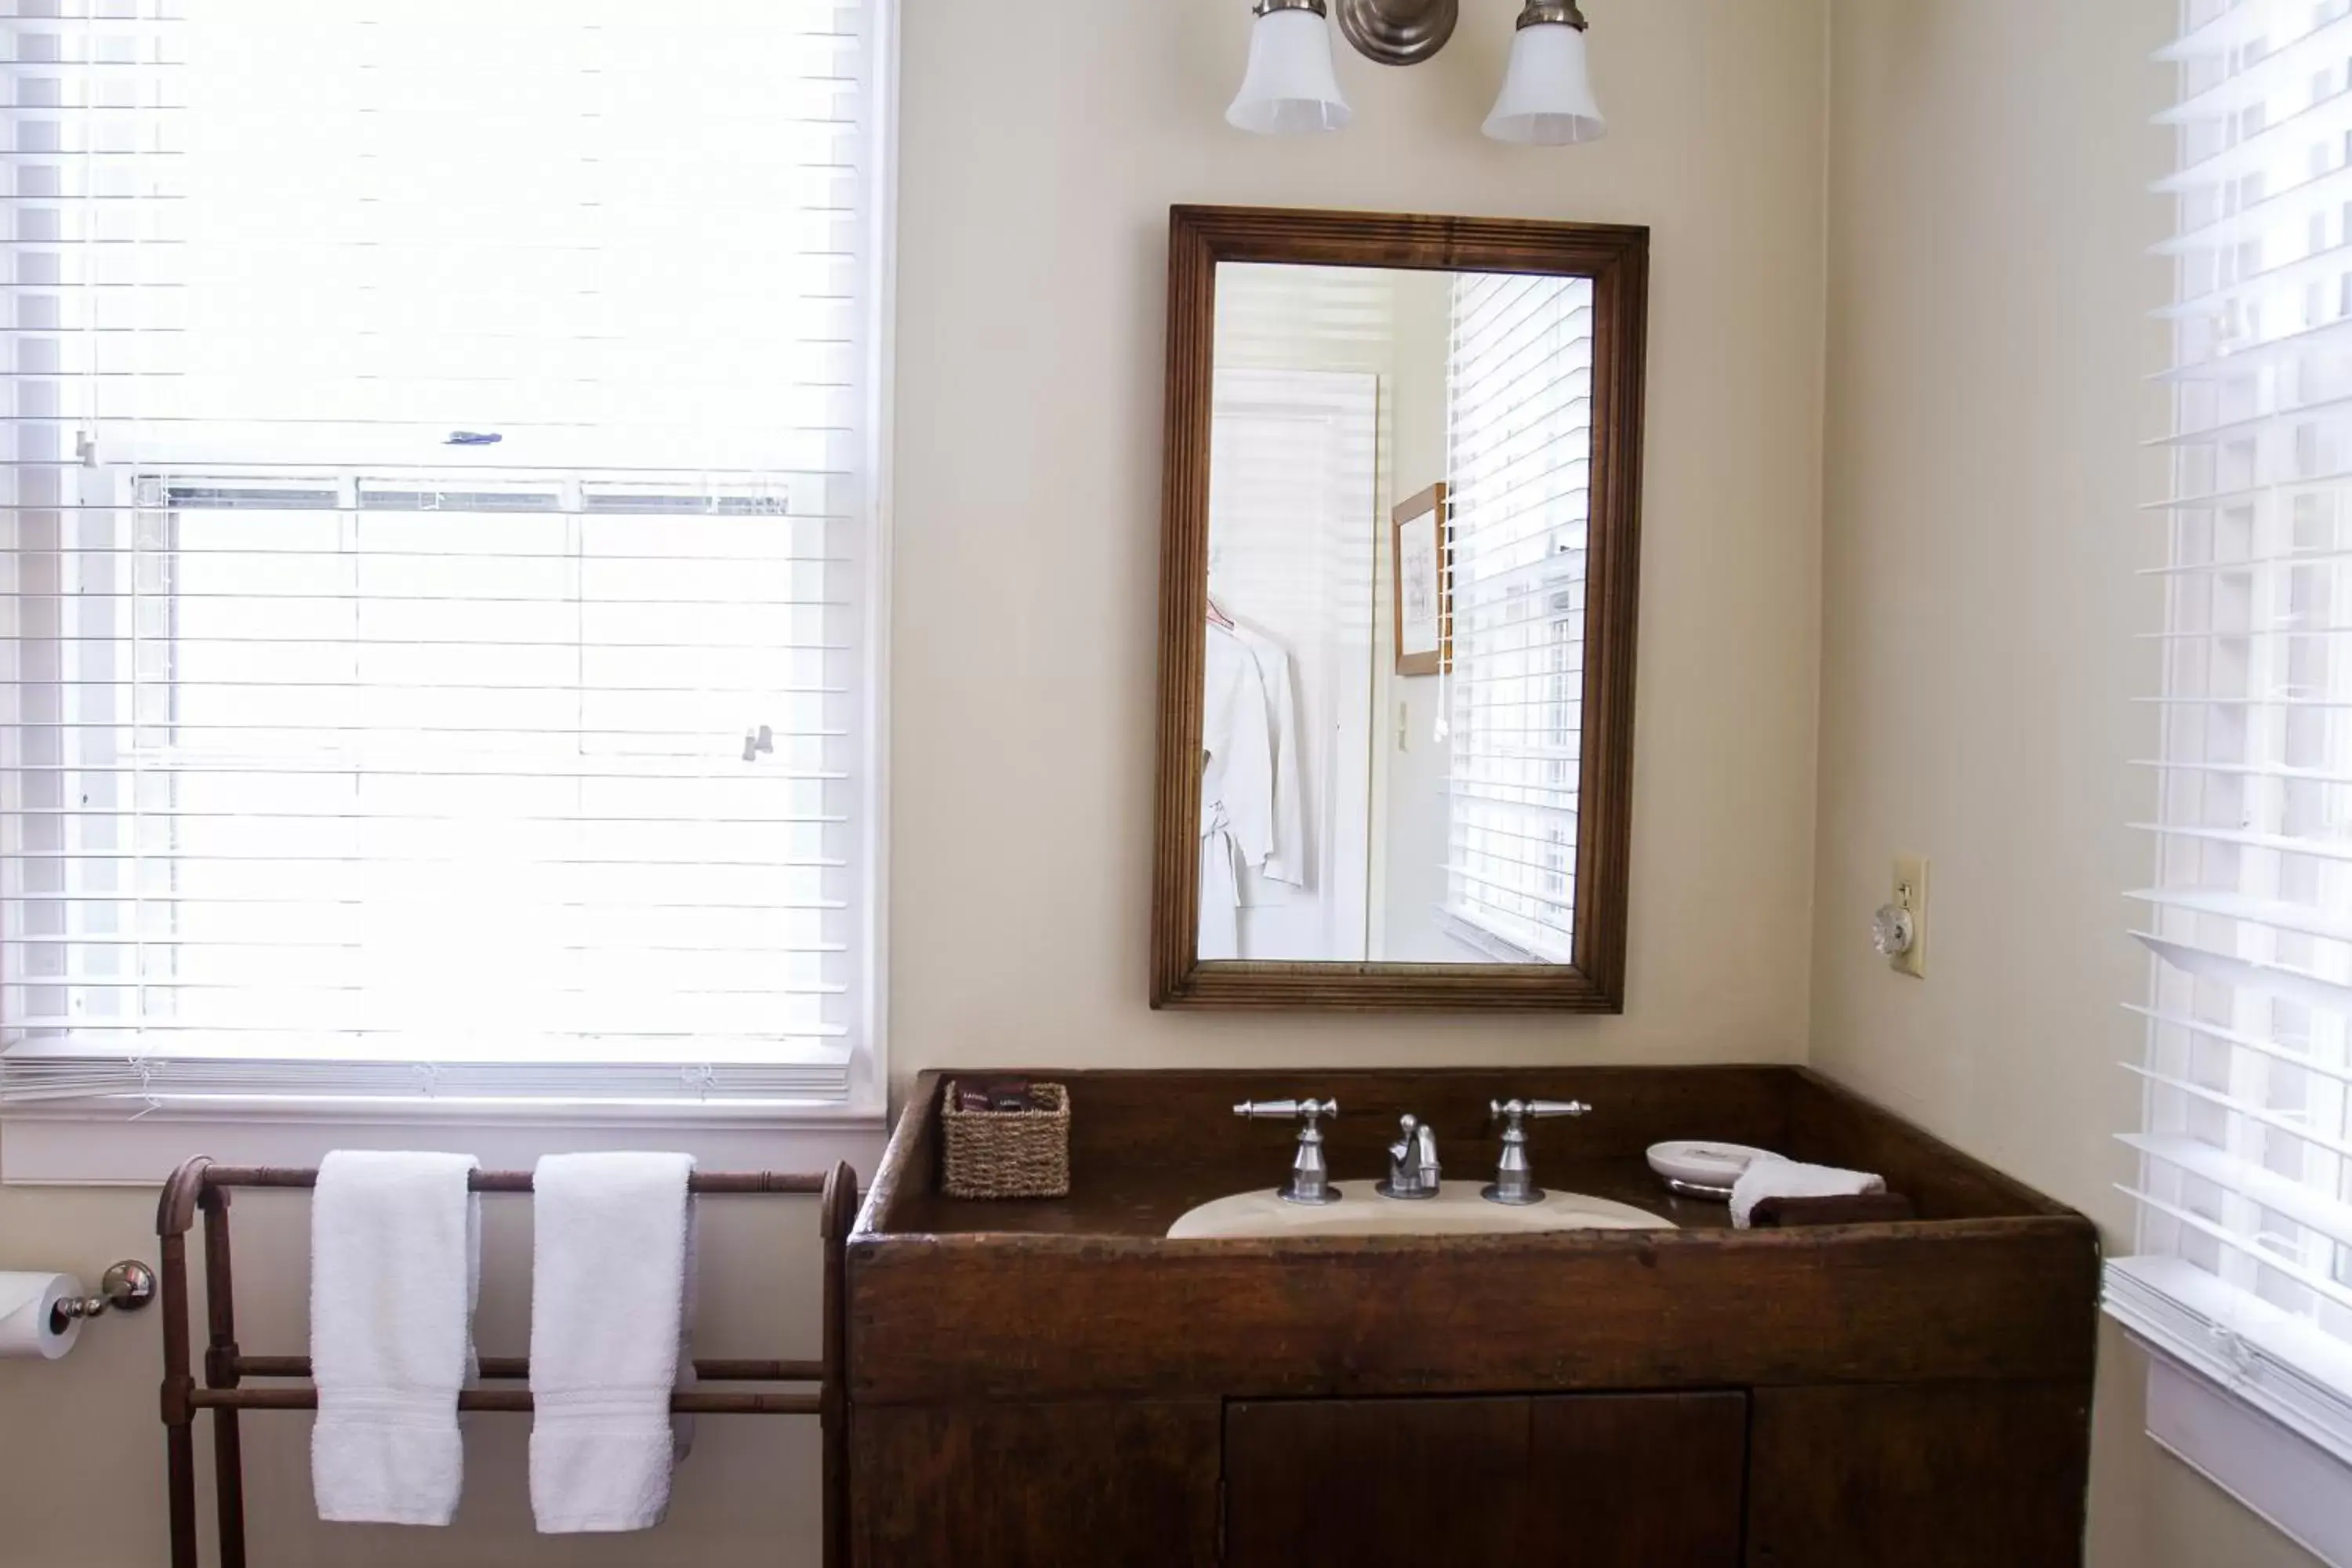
(125, 1287)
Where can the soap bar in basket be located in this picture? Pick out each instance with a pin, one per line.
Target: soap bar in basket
(999, 1094)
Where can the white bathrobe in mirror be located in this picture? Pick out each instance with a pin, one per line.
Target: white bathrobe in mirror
(1252, 835)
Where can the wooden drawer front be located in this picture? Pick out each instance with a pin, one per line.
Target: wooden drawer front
(1593, 1480)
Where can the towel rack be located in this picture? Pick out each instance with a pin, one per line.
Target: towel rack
(202, 1187)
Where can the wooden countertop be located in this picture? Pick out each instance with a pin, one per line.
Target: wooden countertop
(1144, 1203)
(1145, 1147)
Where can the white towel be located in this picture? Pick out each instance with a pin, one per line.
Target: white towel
(611, 1316)
(1790, 1179)
(396, 1266)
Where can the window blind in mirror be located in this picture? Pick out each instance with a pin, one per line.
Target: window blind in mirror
(438, 472)
(2244, 1255)
(1519, 439)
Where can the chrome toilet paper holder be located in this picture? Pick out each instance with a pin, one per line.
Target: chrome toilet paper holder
(125, 1287)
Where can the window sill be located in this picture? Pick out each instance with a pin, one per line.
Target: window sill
(1472, 934)
(2229, 1404)
(84, 1146)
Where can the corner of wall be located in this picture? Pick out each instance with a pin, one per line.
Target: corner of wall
(1827, 196)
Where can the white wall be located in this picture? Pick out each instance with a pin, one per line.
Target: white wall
(1989, 285)
(1043, 143)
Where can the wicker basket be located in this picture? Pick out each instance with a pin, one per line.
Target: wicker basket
(1007, 1154)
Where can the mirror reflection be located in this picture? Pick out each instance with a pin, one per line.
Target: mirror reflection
(1400, 468)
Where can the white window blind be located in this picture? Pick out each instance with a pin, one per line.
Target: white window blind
(438, 470)
(1519, 438)
(2244, 1264)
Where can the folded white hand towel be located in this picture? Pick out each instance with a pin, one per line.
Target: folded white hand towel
(611, 1316)
(1790, 1179)
(396, 1266)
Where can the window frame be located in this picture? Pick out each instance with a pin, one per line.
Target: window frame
(2254, 1395)
(128, 1138)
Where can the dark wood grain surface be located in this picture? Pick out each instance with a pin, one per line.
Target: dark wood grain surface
(1026, 1379)
(1832, 1125)
(1859, 1208)
(1036, 1486)
(1956, 1476)
(1595, 1481)
(1637, 1480)
(1169, 1119)
(1084, 1297)
(995, 1317)
(1375, 1483)
(1145, 1146)
(1146, 1203)
(1616, 258)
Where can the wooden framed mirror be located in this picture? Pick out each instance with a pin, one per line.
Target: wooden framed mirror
(1344, 819)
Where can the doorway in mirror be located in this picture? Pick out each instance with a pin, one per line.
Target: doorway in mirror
(1285, 819)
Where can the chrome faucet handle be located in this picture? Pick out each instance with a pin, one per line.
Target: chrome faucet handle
(1514, 1177)
(1513, 1111)
(1311, 1177)
(1412, 1162)
(1285, 1110)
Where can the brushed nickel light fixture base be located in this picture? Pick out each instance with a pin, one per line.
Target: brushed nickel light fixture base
(1397, 32)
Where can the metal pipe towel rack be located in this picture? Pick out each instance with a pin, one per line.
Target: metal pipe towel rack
(202, 1187)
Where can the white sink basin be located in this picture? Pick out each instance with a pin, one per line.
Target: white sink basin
(1456, 1210)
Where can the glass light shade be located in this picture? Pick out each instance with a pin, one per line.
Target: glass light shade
(1547, 94)
(1290, 86)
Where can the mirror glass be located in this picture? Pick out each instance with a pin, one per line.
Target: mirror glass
(1400, 467)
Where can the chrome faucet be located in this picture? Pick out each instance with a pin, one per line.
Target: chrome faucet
(1515, 1178)
(1412, 1162)
(1311, 1176)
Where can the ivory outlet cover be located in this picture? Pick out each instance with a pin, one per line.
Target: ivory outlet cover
(1911, 895)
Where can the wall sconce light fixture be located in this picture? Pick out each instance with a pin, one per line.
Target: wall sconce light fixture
(1290, 86)
(1546, 92)
(1398, 32)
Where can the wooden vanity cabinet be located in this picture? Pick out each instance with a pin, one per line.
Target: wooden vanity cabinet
(1600, 1481)
(1841, 1475)
(1056, 1385)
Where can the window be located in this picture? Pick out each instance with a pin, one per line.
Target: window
(440, 507)
(1519, 440)
(2245, 1257)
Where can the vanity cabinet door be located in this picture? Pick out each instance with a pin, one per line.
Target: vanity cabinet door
(1637, 1478)
(1075, 1485)
(1920, 1475)
(1593, 1480)
(1365, 1483)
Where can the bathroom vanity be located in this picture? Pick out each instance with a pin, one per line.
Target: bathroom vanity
(1056, 1382)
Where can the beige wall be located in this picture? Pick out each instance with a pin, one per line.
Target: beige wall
(81, 1450)
(1974, 617)
(1989, 288)
(1043, 143)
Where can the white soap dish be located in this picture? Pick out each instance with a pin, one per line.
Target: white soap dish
(1702, 1169)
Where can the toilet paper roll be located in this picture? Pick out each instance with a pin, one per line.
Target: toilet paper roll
(28, 1315)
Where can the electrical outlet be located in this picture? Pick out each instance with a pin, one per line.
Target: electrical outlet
(1911, 897)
